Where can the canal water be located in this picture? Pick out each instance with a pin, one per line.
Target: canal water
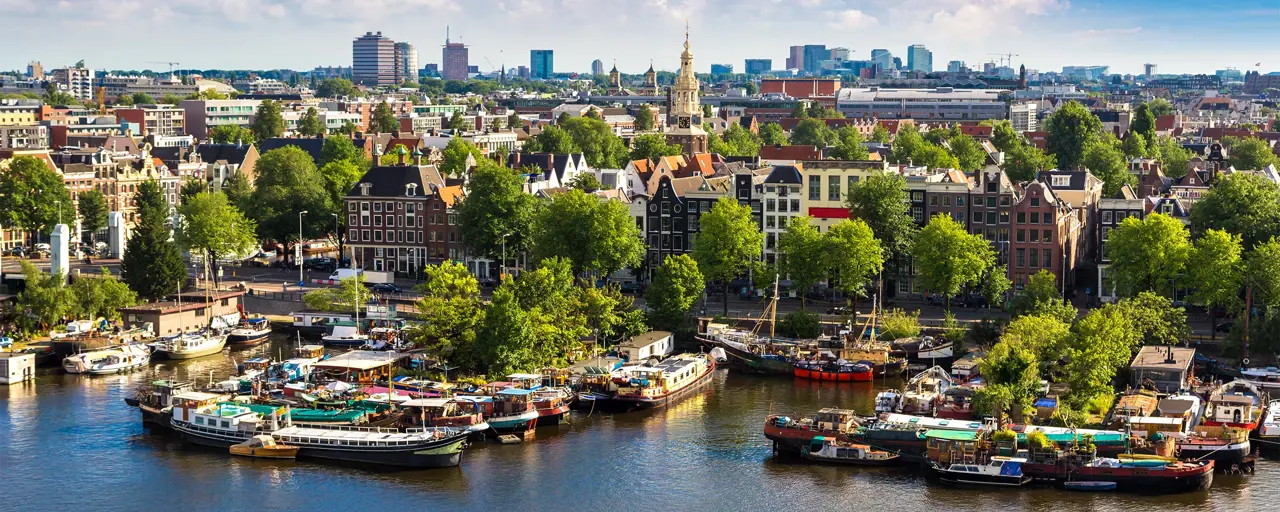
(71, 443)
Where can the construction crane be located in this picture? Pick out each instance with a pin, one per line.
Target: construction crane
(171, 65)
(1006, 58)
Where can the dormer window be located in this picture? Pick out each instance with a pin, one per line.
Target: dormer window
(411, 189)
(364, 188)
(1061, 181)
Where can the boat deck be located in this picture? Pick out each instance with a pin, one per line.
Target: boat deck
(355, 436)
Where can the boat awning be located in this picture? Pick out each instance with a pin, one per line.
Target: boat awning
(196, 395)
(427, 402)
(515, 392)
(952, 435)
(524, 376)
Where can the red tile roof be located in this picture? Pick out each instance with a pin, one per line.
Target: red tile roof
(797, 153)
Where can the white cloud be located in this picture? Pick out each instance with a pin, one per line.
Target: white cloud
(1106, 32)
(852, 18)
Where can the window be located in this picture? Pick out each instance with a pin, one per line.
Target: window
(1035, 258)
(1004, 217)
(453, 219)
(1061, 181)
(1035, 235)
(904, 287)
(693, 207)
(351, 207)
(377, 252)
(795, 205)
(1035, 202)
(666, 223)
(364, 235)
(377, 235)
(353, 220)
(959, 200)
(917, 213)
(946, 200)
(917, 197)
(409, 209)
(769, 240)
(1022, 257)
(377, 207)
(991, 186)
(833, 188)
(1105, 232)
(768, 205)
(666, 208)
(377, 220)
(390, 206)
(977, 217)
(769, 222)
(1035, 217)
(933, 200)
(991, 201)
(815, 187)
(991, 218)
(1048, 218)
(1106, 216)
(1048, 258)
(408, 222)
(853, 181)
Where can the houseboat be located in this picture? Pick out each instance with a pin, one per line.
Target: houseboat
(552, 405)
(513, 412)
(956, 404)
(251, 331)
(417, 448)
(345, 335)
(1236, 404)
(1266, 379)
(314, 324)
(925, 350)
(966, 368)
(875, 354)
(1147, 476)
(889, 400)
(117, 359)
(666, 383)
(1268, 433)
(793, 436)
(1225, 445)
(444, 412)
(997, 471)
(829, 450)
(835, 371)
(750, 353)
(155, 401)
(924, 391)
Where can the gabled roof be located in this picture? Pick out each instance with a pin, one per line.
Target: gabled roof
(1080, 180)
(392, 180)
(313, 147)
(785, 174)
(230, 153)
(450, 195)
(796, 153)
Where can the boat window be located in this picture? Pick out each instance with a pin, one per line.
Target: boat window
(199, 420)
(226, 424)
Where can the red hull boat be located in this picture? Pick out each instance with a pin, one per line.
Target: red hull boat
(833, 373)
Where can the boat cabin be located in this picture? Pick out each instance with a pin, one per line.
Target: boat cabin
(832, 419)
(1169, 368)
(188, 311)
(525, 380)
(952, 446)
(512, 401)
(17, 367)
(360, 365)
(966, 367)
(1150, 425)
(313, 351)
(1232, 408)
(649, 344)
(441, 412)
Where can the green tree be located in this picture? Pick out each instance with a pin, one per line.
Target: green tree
(336, 88)
(1173, 157)
(32, 196)
(995, 286)
(552, 139)
(1023, 162)
(1102, 345)
(881, 134)
(288, 183)
(1156, 320)
(652, 146)
(267, 122)
(55, 97)
(1252, 154)
(170, 99)
(1160, 107)
(898, 324)
(737, 141)
(599, 145)
(456, 154)
(811, 132)
(310, 125)
(771, 134)
(384, 121)
(1262, 272)
(152, 265)
(1143, 122)
(848, 145)
(593, 235)
(45, 300)
(101, 296)
(1041, 297)
(1072, 130)
(854, 256)
(213, 227)
(124, 100)
(677, 285)
(1148, 254)
(496, 210)
(906, 144)
(506, 338)
(593, 113)
(348, 128)
(644, 119)
(347, 296)
(728, 244)
(1012, 369)
(557, 311)
(142, 98)
(1242, 204)
(392, 156)
(881, 201)
(948, 258)
(1134, 145)
(585, 182)
(231, 134)
(340, 149)
(238, 190)
(1004, 137)
(1047, 336)
(457, 123)
(92, 206)
(451, 311)
(1218, 274)
(1108, 164)
(804, 252)
(968, 152)
(514, 122)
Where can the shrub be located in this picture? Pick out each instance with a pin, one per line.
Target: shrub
(898, 324)
(800, 324)
(1038, 441)
(1005, 435)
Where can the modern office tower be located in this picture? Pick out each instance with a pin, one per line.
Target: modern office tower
(541, 64)
(373, 60)
(919, 58)
(454, 63)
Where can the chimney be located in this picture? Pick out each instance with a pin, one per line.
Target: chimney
(400, 152)
(417, 157)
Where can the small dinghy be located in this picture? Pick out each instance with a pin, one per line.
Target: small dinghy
(1089, 486)
(264, 447)
(509, 439)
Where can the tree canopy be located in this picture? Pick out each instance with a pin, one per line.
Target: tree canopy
(232, 134)
(33, 196)
(92, 206)
(728, 244)
(212, 226)
(677, 285)
(1252, 154)
(803, 253)
(152, 265)
(947, 257)
(1242, 204)
(267, 121)
(1148, 254)
(455, 155)
(310, 125)
(880, 200)
(1072, 130)
(288, 183)
(652, 146)
(383, 120)
(853, 253)
(496, 209)
(591, 234)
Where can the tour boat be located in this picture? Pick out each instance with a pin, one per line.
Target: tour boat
(825, 449)
(793, 436)
(836, 371)
(116, 359)
(263, 446)
(1148, 476)
(889, 400)
(345, 336)
(666, 383)
(250, 332)
(999, 471)
(1268, 433)
(1236, 404)
(191, 345)
(924, 391)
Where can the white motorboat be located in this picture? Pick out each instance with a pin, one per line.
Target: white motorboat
(924, 391)
(191, 345)
(116, 359)
(345, 336)
(250, 331)
(888, 401)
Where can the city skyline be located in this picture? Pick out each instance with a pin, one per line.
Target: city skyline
(303, 34)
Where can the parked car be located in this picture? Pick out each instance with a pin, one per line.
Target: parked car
(487, 282)
(385, 288)
(42, 247)
(16, 251)
(1225, 327)
(841, 310)
(632, 287)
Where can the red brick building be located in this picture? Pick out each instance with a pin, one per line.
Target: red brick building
(801, 88)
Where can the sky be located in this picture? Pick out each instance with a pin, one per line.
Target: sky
(1180, 36)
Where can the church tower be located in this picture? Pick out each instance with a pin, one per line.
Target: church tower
(615, 80)
(651, 81)
(685, 107)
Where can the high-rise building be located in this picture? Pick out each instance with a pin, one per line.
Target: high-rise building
(919, 58)
(882, 58)
(406, 62)
(1149, 70)
(77, 80)
(541, 64)
(522, 72)
(795, 58)
(373, 60)
(431, 69)
(814, 54)
(956, 66)
(722, 69)
(758, 66)
(897, 63)
(840, 54)
(454, 63)
(597, 67)
(35, 70)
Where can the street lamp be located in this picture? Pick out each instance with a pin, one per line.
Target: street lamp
(301, 279)
(503, 274)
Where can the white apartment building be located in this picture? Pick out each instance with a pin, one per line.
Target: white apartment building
(937, 103)
(205, 115)
(781, 197)
(1023, 116)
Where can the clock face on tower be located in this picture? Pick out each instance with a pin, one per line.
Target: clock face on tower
(683, 122)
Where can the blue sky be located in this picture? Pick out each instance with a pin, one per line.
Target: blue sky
(1178, 35)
